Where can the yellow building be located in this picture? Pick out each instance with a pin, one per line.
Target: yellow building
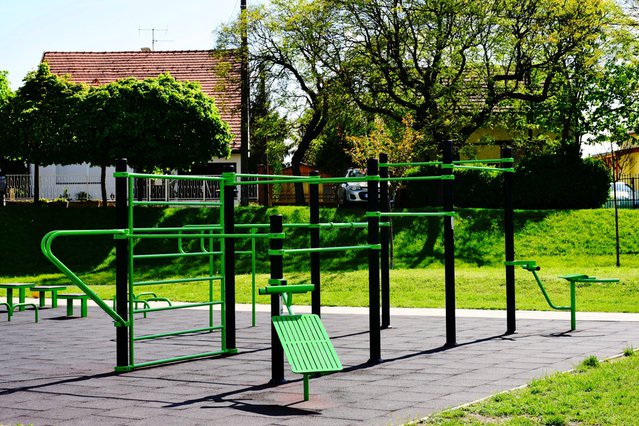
(624, 161)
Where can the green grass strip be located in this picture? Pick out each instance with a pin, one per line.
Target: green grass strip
(596, 393)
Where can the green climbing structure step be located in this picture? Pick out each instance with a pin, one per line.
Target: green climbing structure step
(307, 346)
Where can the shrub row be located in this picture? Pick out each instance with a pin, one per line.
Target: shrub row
(542, 182)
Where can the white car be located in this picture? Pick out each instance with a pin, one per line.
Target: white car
(625, 194)
(353, 192)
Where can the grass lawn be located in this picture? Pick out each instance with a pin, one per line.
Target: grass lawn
(476, 287)
(596, 393)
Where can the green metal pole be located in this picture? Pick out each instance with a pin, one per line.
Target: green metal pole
(211, 272)
(131, 278)
(573, 307)
(253, 268)
(384, 239)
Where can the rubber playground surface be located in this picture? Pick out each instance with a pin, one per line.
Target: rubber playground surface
(60, 371)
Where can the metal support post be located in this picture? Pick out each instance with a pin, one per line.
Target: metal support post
(384, 239)
(509, 237)
(316, 298)
(449, 246)
(121, 266)
(373, 265)
(228, 186)
(277, 272)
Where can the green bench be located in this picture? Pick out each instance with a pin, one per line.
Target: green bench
(22, 304)
(573, 279)
(70, 297)
(306, 344)
(42, 289)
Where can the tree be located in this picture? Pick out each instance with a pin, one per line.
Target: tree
(5, 95)
(452, 64)
(5, 89)
(399, 144)
(287, 43)
(268, 129)
(157, 123)
(41, 120)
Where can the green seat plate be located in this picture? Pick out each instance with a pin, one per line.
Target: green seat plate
(306, 344)
(580, 278)
(574, 277)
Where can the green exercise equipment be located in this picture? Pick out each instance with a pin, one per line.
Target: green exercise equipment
(531, 266)
(306, 344)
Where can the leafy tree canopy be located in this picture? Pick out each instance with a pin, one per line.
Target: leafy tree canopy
(5, 89)
(154, 123)
(453, 63)
(41, 119)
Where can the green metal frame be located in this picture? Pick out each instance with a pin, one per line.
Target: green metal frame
(202, 232)
(531, 266)
(205, 233)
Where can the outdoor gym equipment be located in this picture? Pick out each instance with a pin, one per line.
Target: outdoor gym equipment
(126, 238)
(378, 245)
(531, 266)
(126, 235)
(303, 337)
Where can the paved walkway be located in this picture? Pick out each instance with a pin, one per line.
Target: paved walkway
(60, 371)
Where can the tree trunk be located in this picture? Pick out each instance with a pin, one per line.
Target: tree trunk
(300, 200)
(103, 190)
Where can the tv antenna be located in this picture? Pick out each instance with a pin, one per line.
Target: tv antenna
(153, 30)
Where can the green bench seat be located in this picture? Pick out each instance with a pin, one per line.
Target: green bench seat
(307, 346)
(42, 289)
(70, 297)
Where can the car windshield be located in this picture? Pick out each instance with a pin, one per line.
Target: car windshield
(355, 173)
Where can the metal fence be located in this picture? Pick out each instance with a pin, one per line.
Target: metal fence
(627, 193)
(79, 188)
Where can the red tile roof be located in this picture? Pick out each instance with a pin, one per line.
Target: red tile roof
(208, 67)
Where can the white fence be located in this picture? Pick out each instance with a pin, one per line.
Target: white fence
(79, 188)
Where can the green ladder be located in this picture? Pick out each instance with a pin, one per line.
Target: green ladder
(306, 344)
(531, 265)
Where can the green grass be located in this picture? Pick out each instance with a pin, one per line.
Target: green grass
(596, 393)
(476, 287)
(417, 242)
(561, 241)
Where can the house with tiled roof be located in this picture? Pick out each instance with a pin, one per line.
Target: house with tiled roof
(218, 73)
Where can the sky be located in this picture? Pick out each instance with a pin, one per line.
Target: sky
(28, 28)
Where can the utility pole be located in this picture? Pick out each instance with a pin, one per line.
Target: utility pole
(245, 102)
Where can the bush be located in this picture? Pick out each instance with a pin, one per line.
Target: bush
(473, 188)
(423, 193)
(560, 182)
(540, 182)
